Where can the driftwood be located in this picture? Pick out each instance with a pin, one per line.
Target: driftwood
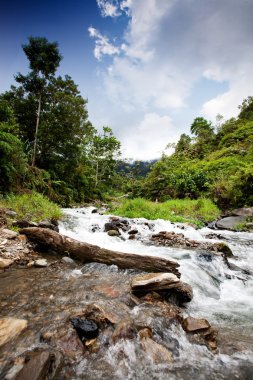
(91, 253)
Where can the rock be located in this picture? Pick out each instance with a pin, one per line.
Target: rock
(167, 284)
(153, 281)
(133, 232)
(40, 366)
(131, 237)
(47, 224)
(9, 234)
(85, 328)
(5, 263)
(224, 248)
(191, 324)
(244, 211)
(24, 223)
(11, 213)
(111, 226)
(67, 260)
(145, 333)
(249, 225)
(10, 327)
(113, 233)
(41, 263)
(230, 222)
(124, 330)
(156, 352)
(94, 211)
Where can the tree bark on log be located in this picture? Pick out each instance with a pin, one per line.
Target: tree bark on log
(91, 253)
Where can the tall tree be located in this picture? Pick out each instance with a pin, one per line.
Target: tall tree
(44, 59)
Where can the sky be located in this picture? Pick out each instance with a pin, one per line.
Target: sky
(147, 67)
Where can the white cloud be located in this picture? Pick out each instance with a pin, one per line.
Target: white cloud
(150, 137)
(108, 8)
(102, 44)
(167, 48)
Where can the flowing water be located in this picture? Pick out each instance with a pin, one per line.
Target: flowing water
(48, 297)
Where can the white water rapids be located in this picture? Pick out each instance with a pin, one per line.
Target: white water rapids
(222, 296)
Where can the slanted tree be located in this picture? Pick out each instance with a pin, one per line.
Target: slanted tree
(44, 59)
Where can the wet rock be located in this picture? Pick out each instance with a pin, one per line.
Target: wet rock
(132, 237)
(41, 263)
(22, 239)
(67, 260)
(244, 211)
(24, 223)
(153, 281)
(230, 222)
(95, 227)
(133, 232)
(191, 324)
(9, 234)
(15, 369)
(94, 211)
(156, 352)
(10, 328)
(124, 330)
(111, 226)
(5, 263)
(224, 248)
(108, 290)
(40, 366)
(145, 333)
(85, 328)
(113, 233)
(166, 284)
(47, 224)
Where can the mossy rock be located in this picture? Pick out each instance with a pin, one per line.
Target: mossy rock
(224, 248)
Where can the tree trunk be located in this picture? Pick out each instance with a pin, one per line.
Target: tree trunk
(91, 253)
(36, 133)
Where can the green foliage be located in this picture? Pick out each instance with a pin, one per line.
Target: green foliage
(217, 166)
(32, 206)
(197, 211)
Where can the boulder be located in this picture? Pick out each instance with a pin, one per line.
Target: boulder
(167, 284)
(9, 234)
(41, 365)
(86, 328)
(50, 225)
(191, 324)
(5, 263)
(244, 211)
(156, 352)
(10, 213)
(10, 328)
(24, 223)
(111, 226)
(133, 232)
(230, 222)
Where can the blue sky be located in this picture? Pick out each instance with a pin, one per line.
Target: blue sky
(147, 67)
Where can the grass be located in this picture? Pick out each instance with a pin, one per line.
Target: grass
(32, 207)
(197, 212)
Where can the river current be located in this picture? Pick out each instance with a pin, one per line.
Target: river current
(48, 297)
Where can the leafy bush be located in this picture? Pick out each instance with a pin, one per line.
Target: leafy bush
(32, 206)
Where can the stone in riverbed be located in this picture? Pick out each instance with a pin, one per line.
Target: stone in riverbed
(124, 330)
(113, 233)
(156, 352)
(244, 211)
(5, 263)
(9, 234)
(41, 365)
(67, 260)
(191, 324)
(167, 284)
(10, 327)
(230, 222)
(85, 328)
(41, 263)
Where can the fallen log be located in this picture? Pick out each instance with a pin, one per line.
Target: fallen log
(91, 253)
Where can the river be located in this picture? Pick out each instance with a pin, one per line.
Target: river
(48, 297)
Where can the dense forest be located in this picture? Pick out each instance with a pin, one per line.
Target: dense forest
(48, 144)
